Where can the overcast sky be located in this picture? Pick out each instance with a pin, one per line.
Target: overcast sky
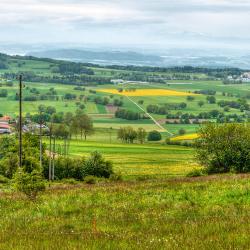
(150, 22)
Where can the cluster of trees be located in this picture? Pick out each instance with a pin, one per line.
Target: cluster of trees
(163, 110)
(215, 72)
(106, 101)
(184, 118)
(30, 178)
(205, 92)
(79, 88)
(69, 96)
(129, 135)
(72, 68)
(36, 95)
(3, 92)
(63, 79)
(232, 81)
(3, 61)
(128, 114)
(69, 123)
(239, 104)
(101, 100)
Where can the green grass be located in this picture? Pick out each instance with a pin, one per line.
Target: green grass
(202, 213)
(137, 160)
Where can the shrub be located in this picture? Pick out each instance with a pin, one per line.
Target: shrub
(3, 179)
(90, 179)
(195, 173)
(116, 177)
(97, 166)
(70, 181)
(66, 167)
(29, 183)
(182, 131)
(224, 148)
(154, 136)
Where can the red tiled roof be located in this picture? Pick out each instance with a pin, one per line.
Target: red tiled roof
(5, 118)
(4, 126)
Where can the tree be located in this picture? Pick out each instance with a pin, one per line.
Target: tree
(141, 135)
(224, 148)
(201, 103)
(190, 98)
(85, 124)
(68, 118)
(182, 131)
(29, 183)
(127, 134)
(154, 136)
(97, 166)
(211, 99)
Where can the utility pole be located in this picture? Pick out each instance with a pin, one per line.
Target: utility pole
(20, 120)
(53, 160)
(41, 143)
(50, 150)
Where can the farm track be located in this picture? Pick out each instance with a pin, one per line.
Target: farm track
(150, 116)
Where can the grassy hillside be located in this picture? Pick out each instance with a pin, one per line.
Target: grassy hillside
(206, 213)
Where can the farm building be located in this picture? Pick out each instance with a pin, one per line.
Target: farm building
(4, 128)
(5, 119)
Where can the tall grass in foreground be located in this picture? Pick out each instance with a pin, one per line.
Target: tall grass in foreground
(203, 213)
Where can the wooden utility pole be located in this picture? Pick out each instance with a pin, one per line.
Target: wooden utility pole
(41, 143)
(53, 160)
(50, 151)
(20, 120)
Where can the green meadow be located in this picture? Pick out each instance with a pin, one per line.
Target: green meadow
(184, 213)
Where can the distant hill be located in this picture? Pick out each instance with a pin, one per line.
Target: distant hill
(104, 58)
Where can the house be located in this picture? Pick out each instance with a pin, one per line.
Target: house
(5, 119)
(5, 129)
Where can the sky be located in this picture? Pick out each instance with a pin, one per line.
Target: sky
(156, 23)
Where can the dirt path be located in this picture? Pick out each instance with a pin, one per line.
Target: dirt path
(150, 116)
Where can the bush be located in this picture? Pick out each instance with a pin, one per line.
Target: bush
(154, 136)
(116, 177)
(29, 183)
(182, 131)
(195, 173)
(3, 180)
(90, 179)
(97, 166)
(224, 148)
(66, 167)
(70, 181)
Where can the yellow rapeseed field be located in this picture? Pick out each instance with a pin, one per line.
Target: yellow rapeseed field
(185, 137)
(146, 92)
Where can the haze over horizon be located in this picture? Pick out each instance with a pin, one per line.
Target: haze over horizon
(202, 24)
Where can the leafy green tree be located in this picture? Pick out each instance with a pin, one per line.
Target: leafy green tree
(29, 183)
(211, 99)
(224, 148)
(127, 134)
(190, 98)
(141, 135)
(97, 166)
(201, 103)
(154, 136)
(84, 124)
(182, 131)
